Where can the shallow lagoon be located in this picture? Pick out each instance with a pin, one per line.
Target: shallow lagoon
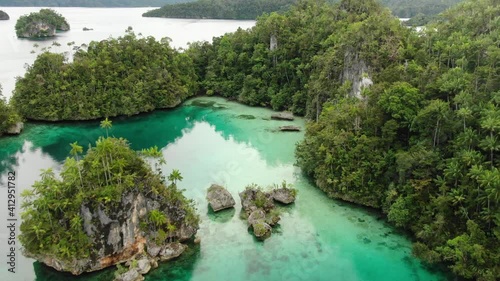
(211, 140)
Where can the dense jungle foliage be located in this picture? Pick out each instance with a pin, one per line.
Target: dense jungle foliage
(8, 116)
(123, 76)
(421, 143)
(251, 9)
(88, 3)
(52, 220)
(47, 16)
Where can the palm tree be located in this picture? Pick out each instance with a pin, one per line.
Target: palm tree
(106, 124)
(175, 176)
(75, 150)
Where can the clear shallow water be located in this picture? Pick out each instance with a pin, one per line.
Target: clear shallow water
(106, 22)
(318, 238)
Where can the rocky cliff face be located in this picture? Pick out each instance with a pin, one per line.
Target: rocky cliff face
(357, 72)
(15, 129)
(38, 29)
(118, 236)
(4, 15)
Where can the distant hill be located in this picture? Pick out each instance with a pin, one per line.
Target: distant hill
(88, 3)
(221, 9)
(250, 9)
(410, 8)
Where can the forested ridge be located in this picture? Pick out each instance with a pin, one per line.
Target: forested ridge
(250, 9)
(221, 9)
(88, 3)
(8, 116)
(123, 76)
(421, 143)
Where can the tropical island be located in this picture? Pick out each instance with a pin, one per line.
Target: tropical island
(123, 76)
(44, 23)
(403, 121)
(109, 207)
(4, 15)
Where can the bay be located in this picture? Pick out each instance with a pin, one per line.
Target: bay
(16, 53)
(211, 140)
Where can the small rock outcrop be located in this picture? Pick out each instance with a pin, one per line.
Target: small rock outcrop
(219, 198)
(4, 15)
(284, 195)
(356, 71)
(259, 208)
(131, 275)
(15, 129)
(87, 29)
(289, 128)
(285, 115)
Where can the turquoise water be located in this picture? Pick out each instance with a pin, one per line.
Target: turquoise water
(211, 140)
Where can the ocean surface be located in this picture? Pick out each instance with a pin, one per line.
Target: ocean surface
(16, 53)
(210, 140)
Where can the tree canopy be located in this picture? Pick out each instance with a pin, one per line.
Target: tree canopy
(421, 143)
(52, 219)
(122, 76)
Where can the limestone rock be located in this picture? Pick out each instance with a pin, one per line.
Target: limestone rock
(171, 251)
(143, 265)
(285, 115)
(16, 129)
(38, 29)
(219, 198)
(153, 249)
(272, 218)
(253, 199)
(284, 195)
(117, 237)
(261, 230)
(356, 71)
(256, 216)
(131, 275)
(289, 128)
(4, 15)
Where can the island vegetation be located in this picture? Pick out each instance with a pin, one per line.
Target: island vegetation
(9, 118)
(107, 207)
(44, 23)
(403, 121)
(123, 76)
(88, 3)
